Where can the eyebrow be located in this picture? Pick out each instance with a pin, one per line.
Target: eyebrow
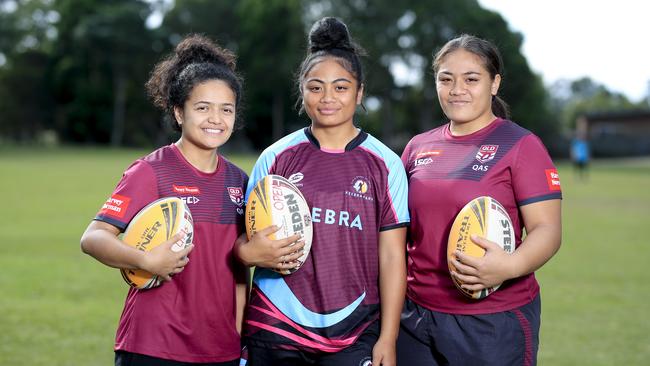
(323, 82)
(467, 73)
(221, 104)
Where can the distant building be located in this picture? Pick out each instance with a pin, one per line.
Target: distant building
(623, 133)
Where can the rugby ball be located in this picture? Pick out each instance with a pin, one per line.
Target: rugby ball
(277, 201)
(486, 217)
(154, 224)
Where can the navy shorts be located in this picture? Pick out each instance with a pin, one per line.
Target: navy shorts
(432, 338)
(358, 354)
(123, 358)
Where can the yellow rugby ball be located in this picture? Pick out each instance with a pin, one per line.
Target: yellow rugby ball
(277, 201)
(486, 217)
(152, 225)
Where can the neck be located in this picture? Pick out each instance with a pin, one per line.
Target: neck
(334, 138)
(203, 160)
(466, 128)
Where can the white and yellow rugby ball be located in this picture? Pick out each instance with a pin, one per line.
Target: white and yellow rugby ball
(486, 217)
(154, 224)
(276, 201)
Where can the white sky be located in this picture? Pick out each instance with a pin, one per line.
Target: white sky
(608, 41)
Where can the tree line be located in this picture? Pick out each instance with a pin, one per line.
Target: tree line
(76, 68)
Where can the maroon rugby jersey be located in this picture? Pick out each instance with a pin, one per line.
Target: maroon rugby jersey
(353, 195)
(445, 172)
(192, 317)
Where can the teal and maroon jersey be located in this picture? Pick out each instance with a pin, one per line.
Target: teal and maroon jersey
(353, 194)
(192, 317)
(445, 172)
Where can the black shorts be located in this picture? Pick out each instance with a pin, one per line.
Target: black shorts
(432, 338)
(123, 358)
(358, 354)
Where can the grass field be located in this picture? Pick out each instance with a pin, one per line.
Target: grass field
(60, 307)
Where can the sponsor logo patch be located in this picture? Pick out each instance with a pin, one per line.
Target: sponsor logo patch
(424, 154)
(236, 195)
(295, 177)
(553, 179)
(116, 206)
(185, 189)
(486, 153)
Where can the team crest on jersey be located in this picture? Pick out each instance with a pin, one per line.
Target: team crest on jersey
(486, 153)
(236, 195)
(360, 186)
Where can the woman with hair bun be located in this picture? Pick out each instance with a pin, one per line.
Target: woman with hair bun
(479, 152)
(342, 306)
(195, 316)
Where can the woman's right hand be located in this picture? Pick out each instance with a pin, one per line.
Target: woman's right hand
(165, 262)
(262, 251)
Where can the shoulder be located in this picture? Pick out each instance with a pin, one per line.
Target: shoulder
(377, 148)
(232, 168)
(287, 142)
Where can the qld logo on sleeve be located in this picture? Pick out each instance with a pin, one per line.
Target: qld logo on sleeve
(486, 153)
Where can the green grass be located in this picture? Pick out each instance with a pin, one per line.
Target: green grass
(61, 307)
(57, 305)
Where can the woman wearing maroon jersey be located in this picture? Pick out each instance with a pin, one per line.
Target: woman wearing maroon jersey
(342, 306)
(195, 316)
(478, 153)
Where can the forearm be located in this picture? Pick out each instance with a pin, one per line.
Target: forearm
(241, 297)
(392, 286)
(104, 246)
(392, 281)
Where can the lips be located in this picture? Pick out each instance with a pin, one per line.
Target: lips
(213, 131)
(328, 111)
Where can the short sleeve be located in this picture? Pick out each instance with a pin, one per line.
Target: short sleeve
(136, 189)
(534, 176)
(395, 209)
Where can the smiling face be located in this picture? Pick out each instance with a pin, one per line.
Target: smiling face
(208, 115)
(465, 89)
(330, 94)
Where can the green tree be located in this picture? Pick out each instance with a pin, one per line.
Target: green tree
(408, 33)
(101, 61)
(270, 49)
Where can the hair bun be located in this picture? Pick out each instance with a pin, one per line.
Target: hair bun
(329, 33)
(199, 49)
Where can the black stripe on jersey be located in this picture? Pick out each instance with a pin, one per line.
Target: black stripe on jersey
(118, 224)
(394, 226)
(546, 197)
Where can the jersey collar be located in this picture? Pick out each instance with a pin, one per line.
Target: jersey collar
(356, 141)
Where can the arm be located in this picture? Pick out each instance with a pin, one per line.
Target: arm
(241, 294)
(262, 251)
(543, 224)
(392, 287)
(101, 242)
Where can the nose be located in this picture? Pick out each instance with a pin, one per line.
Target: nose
(328, 95)
(457, 88)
